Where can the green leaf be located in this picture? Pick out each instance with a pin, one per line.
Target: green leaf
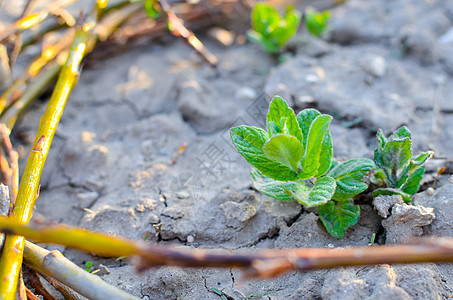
(312, 156)
(285, 149)
(421, 158)
(151, 9)
(338, 216)
(265, 18)
(378, 178)
(280, 190)
(287, 27)
(249, 142)
(325, 159)
(349, 177)
(412, 167)
(401, 133)
(413, 181)
(283, 116)
(305, 118)
(321, 192)
(391, 191)
(395, 156)
(316, 22)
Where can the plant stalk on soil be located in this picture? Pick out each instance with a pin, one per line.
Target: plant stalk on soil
(257, 264)
(54, 264)
(11, 259)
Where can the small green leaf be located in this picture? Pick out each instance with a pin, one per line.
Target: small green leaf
(338, 216)
(151, 9)
(265, 18)
(413, 181)
(391, 191)
(378, 178)
(280, 190)
(401, 133)
(414, 167)
(216, 291)
(313, 150)
(257, 37)
(325, 159)
(421, 158)
(288, 26)
(285, 149)
(349, 177)
(282, 115)
(249, 141)
(305, 118)
(395, 156)
(321, 192)
(316, 22)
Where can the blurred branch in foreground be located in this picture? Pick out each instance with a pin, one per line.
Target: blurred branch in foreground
(257, 263)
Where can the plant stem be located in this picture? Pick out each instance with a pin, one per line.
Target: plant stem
(11, 259)
(258, 264)
(54, 264)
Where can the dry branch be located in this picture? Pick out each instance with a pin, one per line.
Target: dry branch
(258, 263)
(55, 265)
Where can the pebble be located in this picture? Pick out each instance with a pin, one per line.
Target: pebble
(246, 93)
(374, 65)
(190, 239)
(311, 78)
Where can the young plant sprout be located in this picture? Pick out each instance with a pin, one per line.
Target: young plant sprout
(272, 30)
(399, 173)
(293, 160)
(316, 22)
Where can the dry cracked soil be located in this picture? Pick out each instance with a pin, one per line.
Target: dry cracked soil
(112, 165)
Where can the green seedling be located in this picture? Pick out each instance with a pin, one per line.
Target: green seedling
(293, 161)
(316, 22)
(152, 10)
(259, 295)
(88, 266)
(398, 172)
(219, 293)
(272, 30)
(373, 237)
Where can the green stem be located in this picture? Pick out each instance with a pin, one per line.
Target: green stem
(12, 255)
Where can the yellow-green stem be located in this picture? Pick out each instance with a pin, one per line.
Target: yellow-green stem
(12, 255)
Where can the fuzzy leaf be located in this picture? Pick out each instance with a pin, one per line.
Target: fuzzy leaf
(321, 192)
(283, 116)
(390, 191)
(349, 177)
(311, 160)
(395, 156)
(326, 156)
(401, 133)
(381, 142)
(412, 167)
(305, 118)
(249, 141)
(338, 216)
(413, 181)
(280, 190)
(285, 149)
